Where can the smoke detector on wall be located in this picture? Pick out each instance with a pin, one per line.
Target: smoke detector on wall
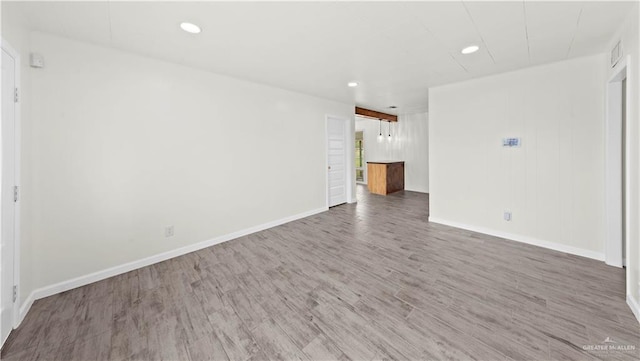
(36, 60)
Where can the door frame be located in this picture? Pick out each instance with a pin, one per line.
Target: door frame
(614, 166)
(4, 45)
(350, 176)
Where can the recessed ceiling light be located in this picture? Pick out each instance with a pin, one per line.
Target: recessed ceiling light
(392, 106)
(470, 49)
(352, 84)
(190, 28)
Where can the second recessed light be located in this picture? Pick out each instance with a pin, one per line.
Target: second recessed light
(470, 49)
(190, 28)
(352, 84)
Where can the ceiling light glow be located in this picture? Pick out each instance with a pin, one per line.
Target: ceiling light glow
(470, 49)
(352, 84)
(190, 28)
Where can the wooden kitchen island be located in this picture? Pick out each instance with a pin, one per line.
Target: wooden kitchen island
(385, 177)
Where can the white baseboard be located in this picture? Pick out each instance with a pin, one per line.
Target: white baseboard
(524, 239)
(130, 266)
(635, 308)
(26, 306)
(417, 190)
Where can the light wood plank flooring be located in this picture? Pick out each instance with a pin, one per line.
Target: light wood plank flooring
(365, 281)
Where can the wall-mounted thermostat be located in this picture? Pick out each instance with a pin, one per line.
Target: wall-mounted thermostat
(510, 142)
(36, 60)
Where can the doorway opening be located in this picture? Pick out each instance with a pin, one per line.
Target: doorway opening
(617, 164)
(361, 174)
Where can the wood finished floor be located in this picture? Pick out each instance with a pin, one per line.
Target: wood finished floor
(359, 282)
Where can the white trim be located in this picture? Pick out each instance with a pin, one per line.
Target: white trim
(130, 266)
(633, 305)
(523, 239)
(613, 165)
(25, 307)
(351, 160)
(416, 191)
(4, 45)
(326, 160)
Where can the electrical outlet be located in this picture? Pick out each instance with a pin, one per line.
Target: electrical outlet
(168, 231)
(507, 216)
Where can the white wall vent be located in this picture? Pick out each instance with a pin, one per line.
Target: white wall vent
(616, 54)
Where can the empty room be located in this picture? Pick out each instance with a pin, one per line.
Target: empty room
(420, 180)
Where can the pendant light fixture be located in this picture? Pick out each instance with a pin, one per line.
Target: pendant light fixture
(389, 137)
(380, 128)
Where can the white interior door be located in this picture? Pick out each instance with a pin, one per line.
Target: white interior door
(337, 160)
(7, 241)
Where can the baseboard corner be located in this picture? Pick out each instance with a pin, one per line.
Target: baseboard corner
(24, 309)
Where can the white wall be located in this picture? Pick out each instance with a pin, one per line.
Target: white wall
(409, 142)
(628, 32)
(124, 145)
(553, 184)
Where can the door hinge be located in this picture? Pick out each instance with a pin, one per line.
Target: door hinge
(15, 95)
(15, 193)
(15, 293)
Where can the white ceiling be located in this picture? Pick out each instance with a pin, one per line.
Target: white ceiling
(395, 50)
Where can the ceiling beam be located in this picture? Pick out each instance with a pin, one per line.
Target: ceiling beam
(376, 115)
